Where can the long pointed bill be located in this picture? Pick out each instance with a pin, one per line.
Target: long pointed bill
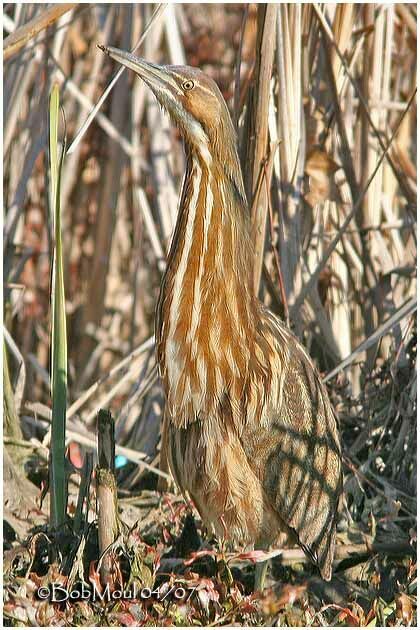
(158, 78)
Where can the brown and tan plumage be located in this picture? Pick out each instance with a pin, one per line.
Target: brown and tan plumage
(249, 431)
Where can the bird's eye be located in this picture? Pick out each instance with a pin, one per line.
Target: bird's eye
(188, 85)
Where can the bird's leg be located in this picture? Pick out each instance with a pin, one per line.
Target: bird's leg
(222, 540)
(225, 531)
(163, 482)
(260, 573)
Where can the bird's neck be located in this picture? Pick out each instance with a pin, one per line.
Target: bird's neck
(207, 310)
(211, 242)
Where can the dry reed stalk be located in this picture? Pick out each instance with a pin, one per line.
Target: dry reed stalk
(342, 29)
(338, 303)
(108, 523)
(292, 149)
(255, 151)
(15, 41)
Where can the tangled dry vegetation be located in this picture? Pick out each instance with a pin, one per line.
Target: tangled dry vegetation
(324, 102)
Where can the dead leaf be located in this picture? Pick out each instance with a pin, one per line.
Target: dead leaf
(275, 601)
(327, 280)
(320, 185)
(15, 560)
(348, 616)
(291, 593)
(94, 577)
(404, 608)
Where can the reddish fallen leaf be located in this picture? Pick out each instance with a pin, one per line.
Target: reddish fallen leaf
(53, 575)
(371, 615)
(375, 580)
(208, 585)
(248, 607)
(166, 535)
(346, 615)
(182, 507)
(349, 617)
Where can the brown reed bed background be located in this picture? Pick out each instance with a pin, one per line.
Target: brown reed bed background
(323, 97)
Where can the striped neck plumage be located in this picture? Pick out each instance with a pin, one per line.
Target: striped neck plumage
(206, 309)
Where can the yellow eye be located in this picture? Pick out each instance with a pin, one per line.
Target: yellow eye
(188, 85)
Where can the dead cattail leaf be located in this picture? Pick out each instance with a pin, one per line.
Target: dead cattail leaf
(320, 169)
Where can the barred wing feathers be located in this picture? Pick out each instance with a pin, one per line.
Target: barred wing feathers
(298, 444)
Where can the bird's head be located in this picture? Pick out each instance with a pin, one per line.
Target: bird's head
(192, 99)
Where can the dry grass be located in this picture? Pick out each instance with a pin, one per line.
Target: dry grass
(331, 180)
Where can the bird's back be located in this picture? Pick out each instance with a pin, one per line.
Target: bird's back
(296, 447)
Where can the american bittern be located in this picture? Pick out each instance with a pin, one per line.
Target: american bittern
(249, 431)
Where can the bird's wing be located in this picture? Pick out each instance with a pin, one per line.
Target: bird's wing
(297, 447)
